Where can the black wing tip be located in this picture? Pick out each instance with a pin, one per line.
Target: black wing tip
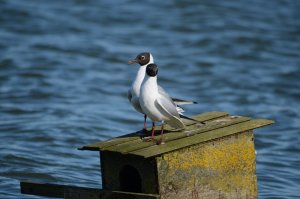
(188, 118)
(185, 117)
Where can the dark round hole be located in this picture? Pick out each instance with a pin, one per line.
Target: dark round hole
(130, 179)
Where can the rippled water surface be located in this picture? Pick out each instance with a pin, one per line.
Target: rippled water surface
(64, 79)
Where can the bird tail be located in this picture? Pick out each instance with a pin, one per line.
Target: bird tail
(182, 102)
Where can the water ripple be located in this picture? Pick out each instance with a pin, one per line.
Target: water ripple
(64, 79)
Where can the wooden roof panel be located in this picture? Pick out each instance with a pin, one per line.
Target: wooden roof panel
(217, 125)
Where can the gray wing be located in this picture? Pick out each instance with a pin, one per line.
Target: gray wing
(134, 102)
(164, 94)
(173, 119)
(175, 100)
(168, 104)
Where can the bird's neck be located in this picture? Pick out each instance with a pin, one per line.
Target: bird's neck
(150, 84)
(140, 77)
(138, 80)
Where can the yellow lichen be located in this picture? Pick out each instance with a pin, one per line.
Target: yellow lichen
(232, 155)
(225, 165)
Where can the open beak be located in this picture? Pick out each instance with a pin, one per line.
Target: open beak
(133, 61)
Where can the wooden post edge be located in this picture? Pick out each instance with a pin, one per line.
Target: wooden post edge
(74, 192)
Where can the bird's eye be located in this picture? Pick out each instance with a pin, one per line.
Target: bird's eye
(143, 57)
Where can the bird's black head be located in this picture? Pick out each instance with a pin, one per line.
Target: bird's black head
(152, 70)
(142, 59)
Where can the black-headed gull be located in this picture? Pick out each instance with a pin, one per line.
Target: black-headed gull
(157, 106)
(143, 59)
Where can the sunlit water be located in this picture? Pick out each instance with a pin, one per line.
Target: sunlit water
(64, 79)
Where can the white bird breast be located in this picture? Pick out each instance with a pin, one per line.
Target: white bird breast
(148, 96)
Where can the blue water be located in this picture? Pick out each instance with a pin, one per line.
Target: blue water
(64, 79)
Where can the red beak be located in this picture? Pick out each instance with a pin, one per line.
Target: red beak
(133, 61)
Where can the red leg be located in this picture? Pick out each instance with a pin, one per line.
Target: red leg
(153, 129)
(161, 134)
(145, 123)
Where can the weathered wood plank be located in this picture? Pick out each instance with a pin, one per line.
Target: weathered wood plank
(136, 136)
(210, 116)
(101, 145)
(211, 125)
(73, 192)
(202, 137)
